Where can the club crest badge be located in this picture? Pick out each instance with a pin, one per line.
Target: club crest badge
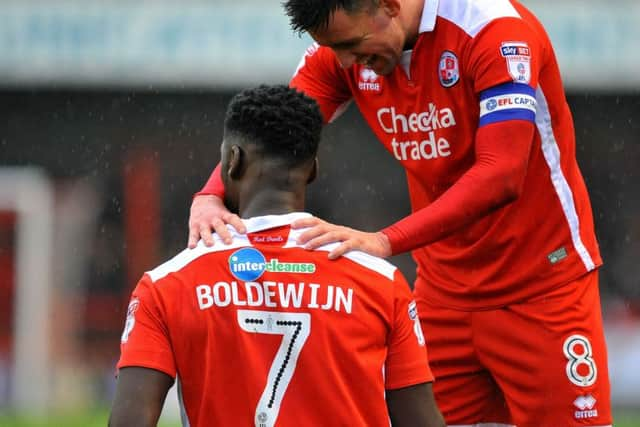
(448, 69)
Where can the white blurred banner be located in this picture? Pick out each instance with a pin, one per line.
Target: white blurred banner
(216, 43)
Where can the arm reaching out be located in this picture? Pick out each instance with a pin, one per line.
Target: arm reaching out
(322, 233)
(209, 214)
(496, 179)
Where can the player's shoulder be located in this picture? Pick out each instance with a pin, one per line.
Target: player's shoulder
(187, 257)
(372, 263)
(369, 263)
(473, 16)
(316, 55)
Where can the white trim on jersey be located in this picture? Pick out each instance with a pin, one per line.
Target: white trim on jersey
(429, 14)
(314, 46)
(473, 15)
(342, 107)
(184, 418)
(371, 262)
(239, 240)
(551, 153)
(266, 222)
(376, 264)
(260, 223)
(189, 255)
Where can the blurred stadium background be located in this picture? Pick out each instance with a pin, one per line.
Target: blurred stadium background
(111, 119)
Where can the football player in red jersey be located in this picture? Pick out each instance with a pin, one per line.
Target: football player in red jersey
(467, 96)
(264, 332)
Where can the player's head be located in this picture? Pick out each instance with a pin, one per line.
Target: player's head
(368, 32)
(271, 136)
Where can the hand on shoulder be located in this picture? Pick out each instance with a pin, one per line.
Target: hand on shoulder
(208, 215)
(321, 233)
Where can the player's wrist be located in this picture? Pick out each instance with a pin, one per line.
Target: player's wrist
(206, 194)
(384, 243)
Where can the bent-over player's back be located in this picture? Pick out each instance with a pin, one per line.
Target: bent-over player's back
(266, 332)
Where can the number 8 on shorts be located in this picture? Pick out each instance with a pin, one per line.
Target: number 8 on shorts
(581, 368)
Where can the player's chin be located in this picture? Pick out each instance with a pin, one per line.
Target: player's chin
(382, 66)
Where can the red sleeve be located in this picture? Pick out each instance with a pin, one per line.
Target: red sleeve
(320, 76)
(406, 363)
(495, 179)
(214, 186)
(145, 339)
(506, 50)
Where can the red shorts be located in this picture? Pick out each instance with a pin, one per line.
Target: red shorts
(542, 363)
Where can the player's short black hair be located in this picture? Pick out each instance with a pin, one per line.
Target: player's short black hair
(313, 15)
(282, 121)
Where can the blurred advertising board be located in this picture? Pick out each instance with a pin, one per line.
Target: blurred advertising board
(227, 44)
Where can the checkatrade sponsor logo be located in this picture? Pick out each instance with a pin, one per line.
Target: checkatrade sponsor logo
(248, 264)
(425, 124)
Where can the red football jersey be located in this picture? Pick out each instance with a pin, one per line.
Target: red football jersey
(263, 332)
(476, 62)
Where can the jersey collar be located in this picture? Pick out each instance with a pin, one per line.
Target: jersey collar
(259, 223)
(429, 15)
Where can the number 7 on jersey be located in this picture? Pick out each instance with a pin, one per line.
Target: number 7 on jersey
(295, 329)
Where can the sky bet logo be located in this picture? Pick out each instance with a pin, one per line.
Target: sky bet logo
(515, 49)
(248, 264)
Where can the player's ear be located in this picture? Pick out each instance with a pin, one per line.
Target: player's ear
(237, 158)
(391, 7)
(313, 173)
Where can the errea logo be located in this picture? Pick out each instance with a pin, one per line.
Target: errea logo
(368, 80)
(585, 405)
(584, 402)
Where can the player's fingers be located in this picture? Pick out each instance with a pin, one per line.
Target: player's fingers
(194, 236)
(342, 249)
(324, 239)
(306, 222)
(221, 230)
(235, 221)
(312, 233)
(205, 234)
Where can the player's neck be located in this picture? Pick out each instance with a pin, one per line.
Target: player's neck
(271, 202)
(411, 17)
